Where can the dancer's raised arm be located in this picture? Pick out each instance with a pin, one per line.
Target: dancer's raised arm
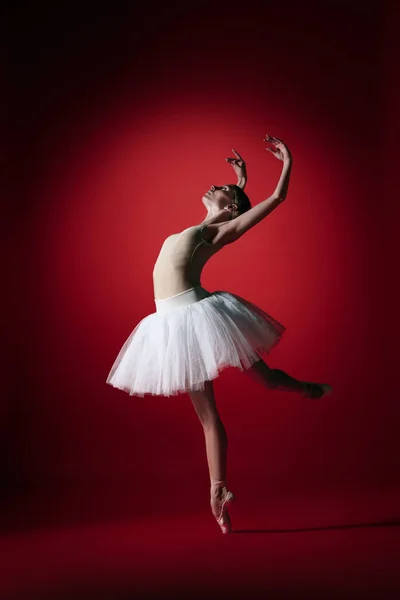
(281, 152)
(235, 228)
(239, 166)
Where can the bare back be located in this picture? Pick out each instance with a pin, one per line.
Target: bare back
(181, 260)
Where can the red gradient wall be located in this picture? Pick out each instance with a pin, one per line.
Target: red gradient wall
(123, 121)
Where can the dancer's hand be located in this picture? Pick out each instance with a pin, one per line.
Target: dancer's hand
(280, 150)
(239, 166)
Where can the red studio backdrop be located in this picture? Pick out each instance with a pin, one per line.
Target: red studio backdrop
(123, 121)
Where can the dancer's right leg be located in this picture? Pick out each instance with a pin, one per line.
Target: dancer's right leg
(214, 431)
(216, 449)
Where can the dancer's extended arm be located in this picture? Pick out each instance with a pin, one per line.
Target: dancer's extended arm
(281, 152)
(230, 231)
(239, 166)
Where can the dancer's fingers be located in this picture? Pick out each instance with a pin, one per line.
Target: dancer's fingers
(237, 154)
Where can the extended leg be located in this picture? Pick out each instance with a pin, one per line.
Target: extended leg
(280, 380)
(274, 378)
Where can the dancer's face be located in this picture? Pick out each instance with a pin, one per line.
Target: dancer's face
(219, 196)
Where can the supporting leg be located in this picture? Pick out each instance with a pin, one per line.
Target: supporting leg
(214, 431)
(216, 450)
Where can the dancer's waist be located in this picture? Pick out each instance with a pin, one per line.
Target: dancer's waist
(189, 296)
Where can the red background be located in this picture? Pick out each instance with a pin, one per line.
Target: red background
(121, 121)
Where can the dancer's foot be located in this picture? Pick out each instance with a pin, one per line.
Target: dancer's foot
(315, 390)
(220, 498)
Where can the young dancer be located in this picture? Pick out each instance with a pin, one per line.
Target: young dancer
(194, 334)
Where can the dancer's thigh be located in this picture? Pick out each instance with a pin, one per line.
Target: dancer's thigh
(204, 403)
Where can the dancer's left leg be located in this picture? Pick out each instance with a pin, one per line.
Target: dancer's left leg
(274, 378)
(279, 380)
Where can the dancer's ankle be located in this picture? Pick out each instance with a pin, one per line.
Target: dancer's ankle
(218, 482)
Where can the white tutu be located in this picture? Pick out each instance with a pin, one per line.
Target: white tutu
(189, 339)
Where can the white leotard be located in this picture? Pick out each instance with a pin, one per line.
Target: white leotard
(181, 261)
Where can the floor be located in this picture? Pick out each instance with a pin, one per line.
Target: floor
(90, 546)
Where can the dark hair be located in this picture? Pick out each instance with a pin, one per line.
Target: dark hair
(241, 199)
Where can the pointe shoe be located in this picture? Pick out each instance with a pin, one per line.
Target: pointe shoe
(220, 498)
(315, 391)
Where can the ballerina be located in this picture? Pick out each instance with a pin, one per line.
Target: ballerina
(195, 334)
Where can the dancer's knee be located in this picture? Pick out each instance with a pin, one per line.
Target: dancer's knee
(275, 377)
(212, 421)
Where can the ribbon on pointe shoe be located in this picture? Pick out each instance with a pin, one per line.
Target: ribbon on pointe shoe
(222, 516)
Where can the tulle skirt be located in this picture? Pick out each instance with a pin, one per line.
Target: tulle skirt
(190, 338)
